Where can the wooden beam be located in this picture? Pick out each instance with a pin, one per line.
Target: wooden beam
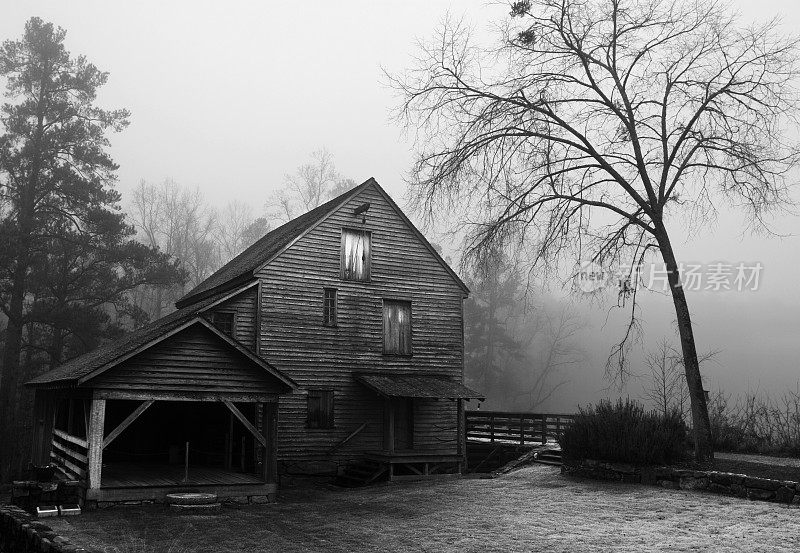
(126, 423)
(106, 393)
(271, 425)
(97, 419)
(252, 429)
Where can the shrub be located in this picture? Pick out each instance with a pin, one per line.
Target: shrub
(625, 432)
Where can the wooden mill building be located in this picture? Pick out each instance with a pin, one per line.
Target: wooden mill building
(333, 345)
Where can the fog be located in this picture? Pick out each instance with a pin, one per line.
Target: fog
(231, 96)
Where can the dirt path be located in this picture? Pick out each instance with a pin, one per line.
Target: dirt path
(534, 509)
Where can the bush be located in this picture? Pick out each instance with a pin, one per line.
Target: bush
(625, 432)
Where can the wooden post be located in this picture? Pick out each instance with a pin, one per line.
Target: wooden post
(491, 428)
(522, 429)
(462, 436)
(97, 420)
(229, 443)
(186, 464)
(544, 429)
(243, 455)
(390, 426)
(271, 456)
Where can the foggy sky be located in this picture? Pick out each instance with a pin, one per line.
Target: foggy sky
(230, 96)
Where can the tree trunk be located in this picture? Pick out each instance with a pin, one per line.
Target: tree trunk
(703, 448)
(9, 381)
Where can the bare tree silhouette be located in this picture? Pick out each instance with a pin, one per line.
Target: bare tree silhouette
(593, 125)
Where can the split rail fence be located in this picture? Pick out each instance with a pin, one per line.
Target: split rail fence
(515, 428)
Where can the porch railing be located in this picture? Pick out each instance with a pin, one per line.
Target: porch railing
(70, 454)
(516, 428)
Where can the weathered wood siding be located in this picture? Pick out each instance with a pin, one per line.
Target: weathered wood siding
(245, 309)
(192, 360)
(293, 338)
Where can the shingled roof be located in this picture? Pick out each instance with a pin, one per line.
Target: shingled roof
(241, 268)
(73, 372)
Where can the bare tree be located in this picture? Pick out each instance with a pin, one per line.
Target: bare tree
(234, 230)
(555, 351)
(312, 184)
(178, 221)
(593, 124)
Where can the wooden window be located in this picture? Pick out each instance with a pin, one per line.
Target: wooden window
(356, 254)
(397, 327)
(224, 322)
(329, 307)
(320, 408)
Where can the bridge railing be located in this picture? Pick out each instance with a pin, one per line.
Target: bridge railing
(517, 428)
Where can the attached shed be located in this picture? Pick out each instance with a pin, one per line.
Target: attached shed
(177, 405)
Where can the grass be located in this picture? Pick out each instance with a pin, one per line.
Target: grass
(532, 509)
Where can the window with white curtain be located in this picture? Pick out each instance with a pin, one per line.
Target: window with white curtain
(397, 327)
(356, 252)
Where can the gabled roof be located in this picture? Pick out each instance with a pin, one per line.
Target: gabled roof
(242, 267)
(92, 364)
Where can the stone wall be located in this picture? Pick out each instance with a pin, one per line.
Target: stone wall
(738, 485)
(21, 532)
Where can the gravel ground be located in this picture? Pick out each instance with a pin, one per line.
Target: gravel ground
(533, 509)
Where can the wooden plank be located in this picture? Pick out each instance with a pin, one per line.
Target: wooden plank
(97, 417)
(252, 429)
(144, 395)
(126, 423)
(77, 455)
(64, 463)
(70, 438)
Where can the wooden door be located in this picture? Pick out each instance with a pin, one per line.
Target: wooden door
(403, 423)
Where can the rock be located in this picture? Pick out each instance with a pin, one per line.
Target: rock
(762, 483)
(760, 494)
(198, 509)
(669, 484)
(726, 478)
(719, 488)
(784, 494)
(648, 477)
(738, 490)
(191, 498)
(693, 483)
(261, 499)
(631, 478)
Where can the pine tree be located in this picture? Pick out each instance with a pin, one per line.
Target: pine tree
(67, 251)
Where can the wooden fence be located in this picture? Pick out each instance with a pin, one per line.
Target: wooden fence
(516, 428)
(70, 454)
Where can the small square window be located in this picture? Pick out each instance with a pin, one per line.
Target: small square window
(356, 254)
(329, 307)
(224, 322)
(320, 408)
(397, 327)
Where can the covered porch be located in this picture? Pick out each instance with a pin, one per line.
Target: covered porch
(417, 412)
(191, 410)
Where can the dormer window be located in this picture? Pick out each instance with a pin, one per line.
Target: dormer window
(356, 254)
(224, 321)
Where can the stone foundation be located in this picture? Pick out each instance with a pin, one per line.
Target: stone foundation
(21, 532)
(726, 483)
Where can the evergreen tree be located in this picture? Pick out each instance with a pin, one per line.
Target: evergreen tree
(68, 256)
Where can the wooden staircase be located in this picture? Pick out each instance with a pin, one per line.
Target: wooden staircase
(362, 473)
(549, 457)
